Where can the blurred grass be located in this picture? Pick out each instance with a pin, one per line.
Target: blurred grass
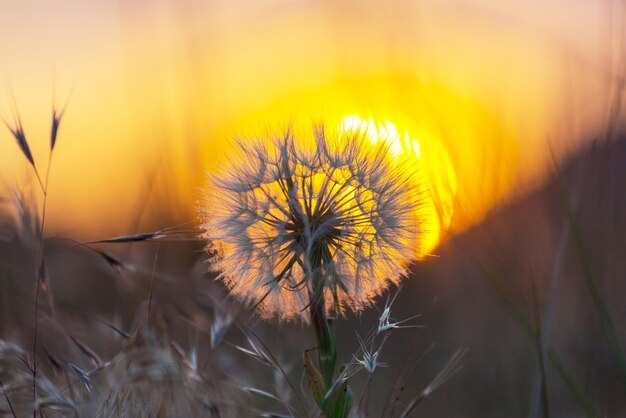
(527, 324)
(102, 290)
(591, 281)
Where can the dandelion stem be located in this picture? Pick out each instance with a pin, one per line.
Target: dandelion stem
(336, 405)
(324, 334)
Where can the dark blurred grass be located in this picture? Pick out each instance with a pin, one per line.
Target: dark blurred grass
(523, 255)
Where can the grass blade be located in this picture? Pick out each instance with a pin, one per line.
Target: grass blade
(451, 368)
(591, 279)
(149, 236)
(511, 306)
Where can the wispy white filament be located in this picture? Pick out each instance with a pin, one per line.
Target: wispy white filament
(284, 210)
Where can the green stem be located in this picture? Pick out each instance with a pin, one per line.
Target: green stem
(324, 334)
(336, 404)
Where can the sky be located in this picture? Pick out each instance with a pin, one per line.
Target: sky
(157, 89)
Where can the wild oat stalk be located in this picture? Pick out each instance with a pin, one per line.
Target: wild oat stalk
(17, 130)
(310, 230)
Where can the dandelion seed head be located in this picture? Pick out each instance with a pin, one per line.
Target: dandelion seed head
(287, 218)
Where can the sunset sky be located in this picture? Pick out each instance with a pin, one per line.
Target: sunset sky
(157, 88)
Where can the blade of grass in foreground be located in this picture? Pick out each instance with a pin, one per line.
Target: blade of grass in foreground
(591, 278)
(452, 367)
(167, 234)
(512, 307)
(541, 355)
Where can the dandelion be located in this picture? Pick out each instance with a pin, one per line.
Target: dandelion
(292, 222)
(310, 230)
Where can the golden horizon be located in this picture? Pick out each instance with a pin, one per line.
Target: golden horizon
(153, 100)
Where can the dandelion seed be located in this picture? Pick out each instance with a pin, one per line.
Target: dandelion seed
(287, 219)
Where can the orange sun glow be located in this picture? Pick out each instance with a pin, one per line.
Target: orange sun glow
(433, 169)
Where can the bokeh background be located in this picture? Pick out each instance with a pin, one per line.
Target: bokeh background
(516, 106)
(156, 88)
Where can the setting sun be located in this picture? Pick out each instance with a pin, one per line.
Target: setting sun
(433, 170)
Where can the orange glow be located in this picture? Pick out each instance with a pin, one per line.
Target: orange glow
(467, 157)
(159, 87)
(432, 169)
